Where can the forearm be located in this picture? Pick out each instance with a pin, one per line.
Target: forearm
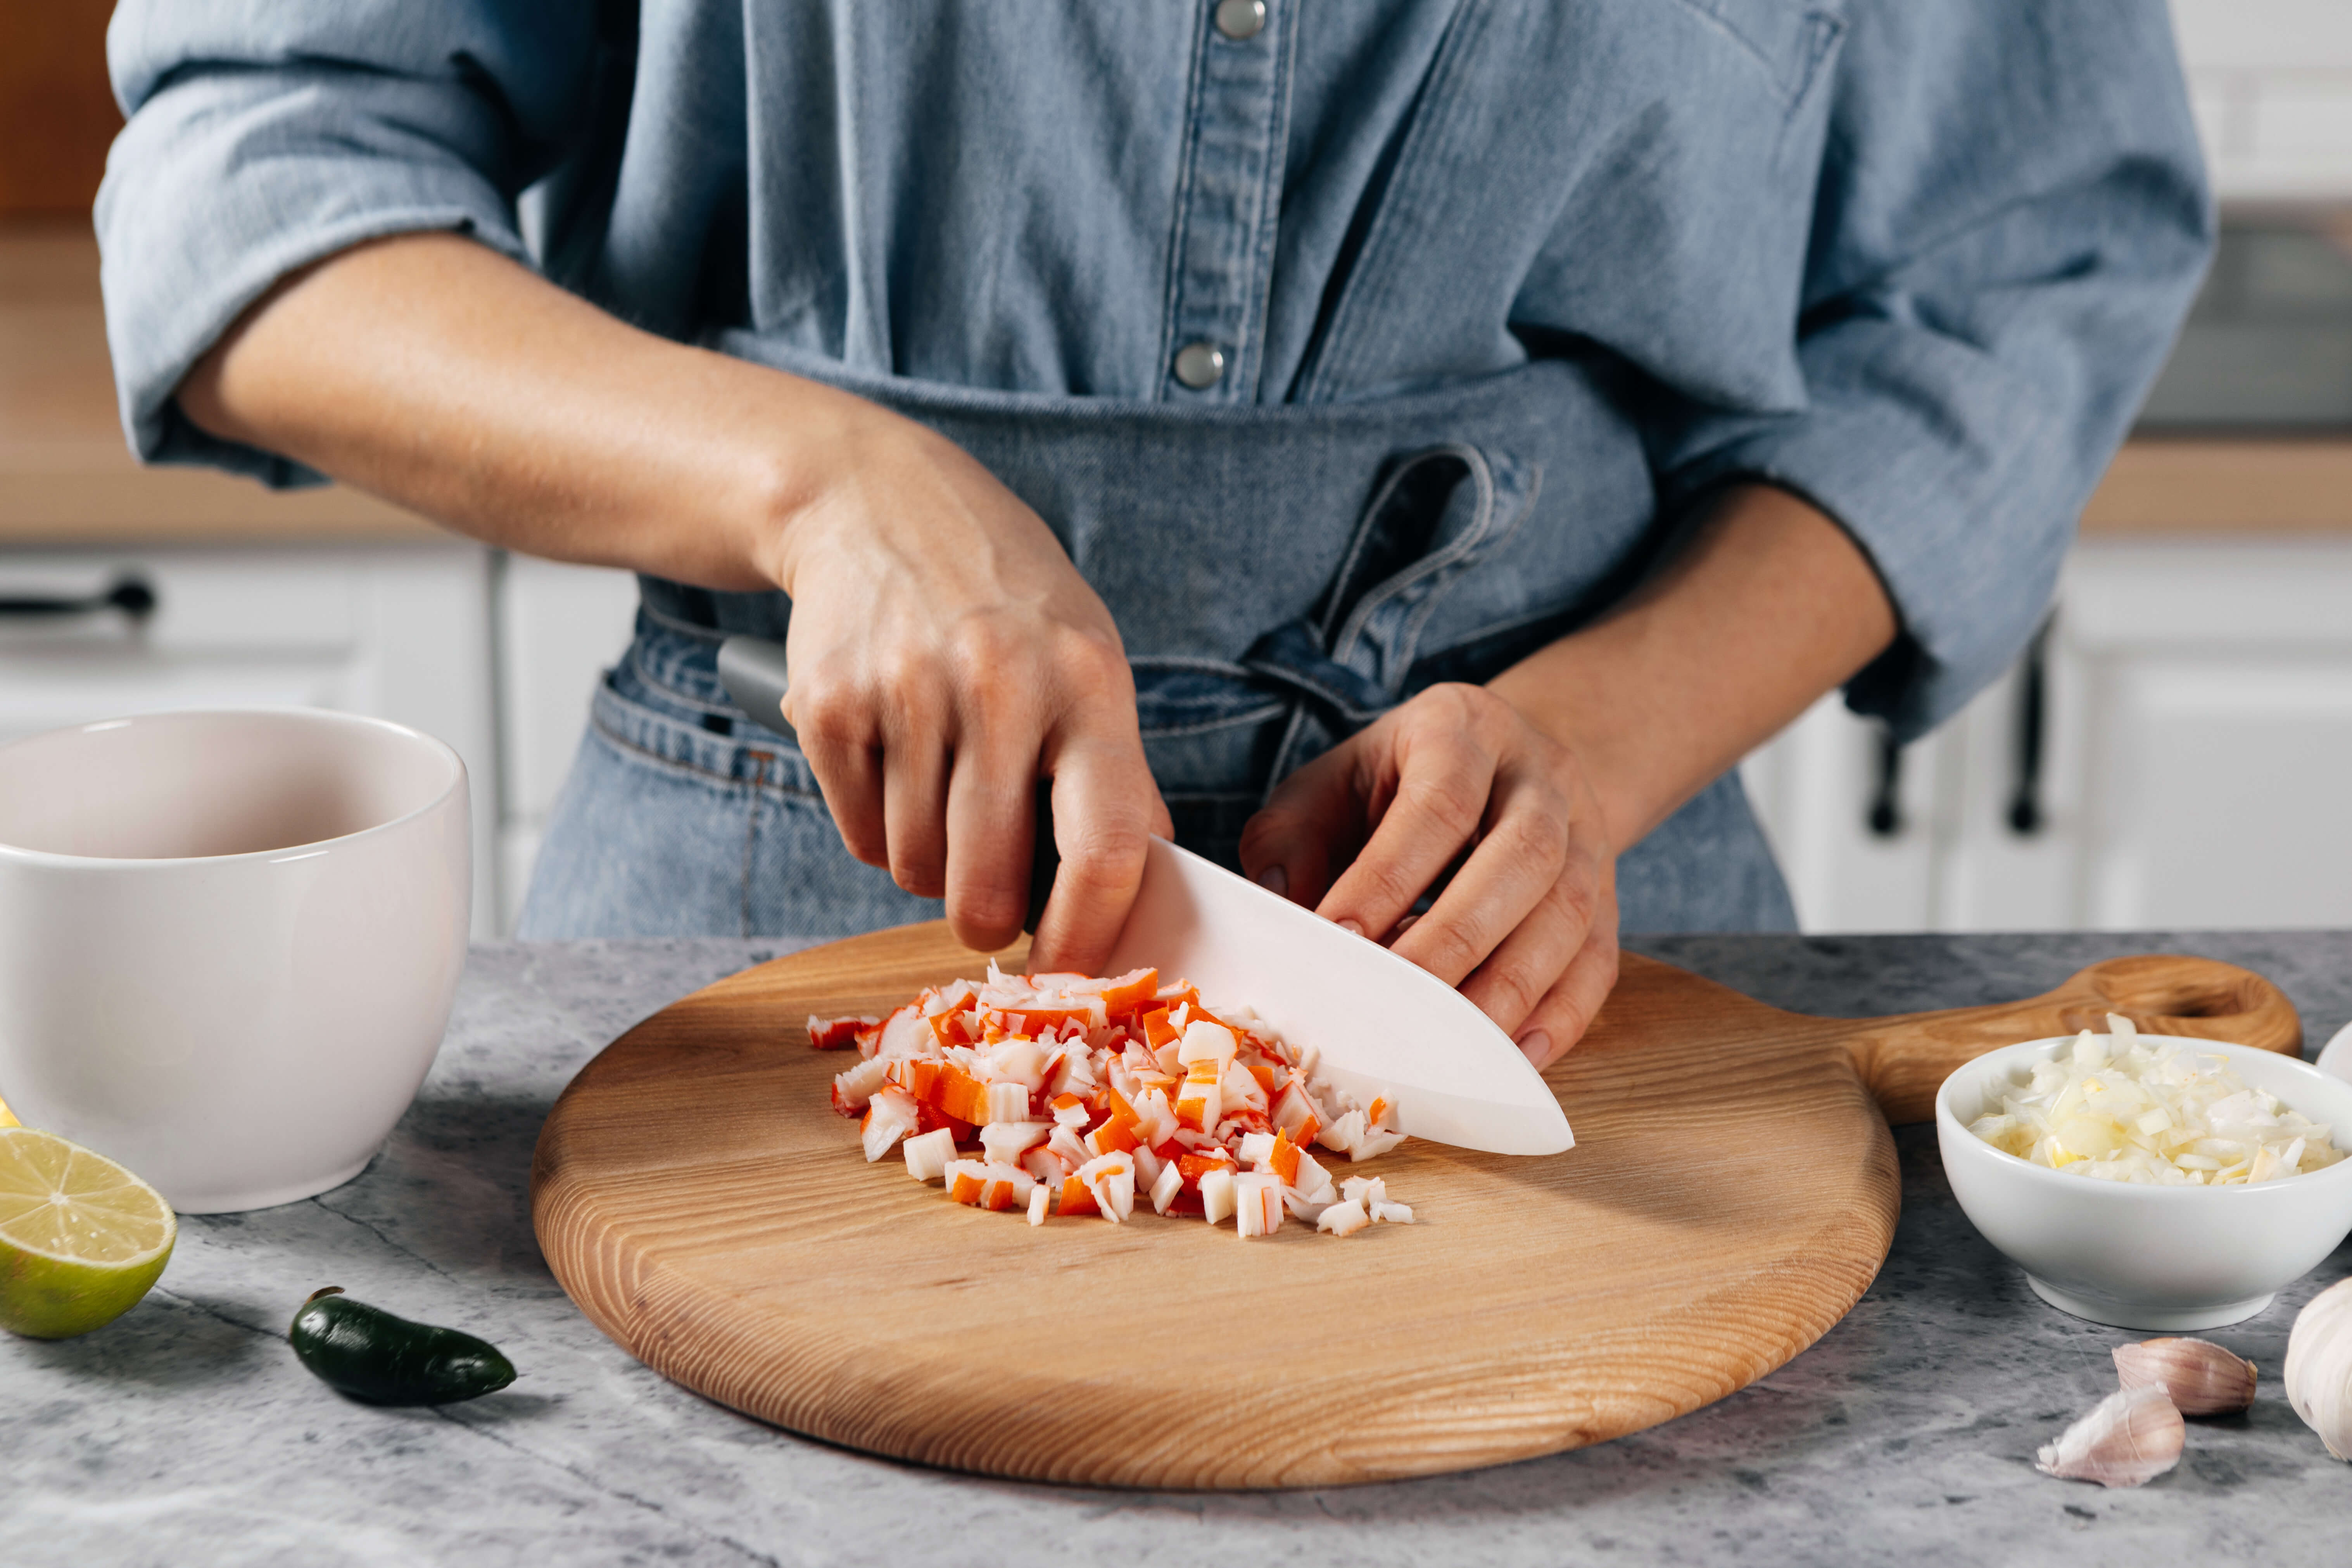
(434, 371)
(1768, 605)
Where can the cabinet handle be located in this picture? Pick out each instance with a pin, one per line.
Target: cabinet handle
(2026, 817)
(1885, 817)
(133, 596)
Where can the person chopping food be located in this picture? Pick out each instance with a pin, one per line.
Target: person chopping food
(1407, 450)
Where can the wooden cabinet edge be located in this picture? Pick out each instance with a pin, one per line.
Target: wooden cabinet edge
(183, 506)
(2230, 487)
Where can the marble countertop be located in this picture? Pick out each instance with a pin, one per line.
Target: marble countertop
(186, 1433)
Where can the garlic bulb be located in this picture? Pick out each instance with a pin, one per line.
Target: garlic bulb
(2319, 1367)
(2127, 1439)
(2200, 1376)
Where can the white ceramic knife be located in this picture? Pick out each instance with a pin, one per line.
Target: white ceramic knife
(1382, 1024)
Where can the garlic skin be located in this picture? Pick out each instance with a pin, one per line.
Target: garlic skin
(2200, 1376)
(2319, 1367)
(2127, 1439)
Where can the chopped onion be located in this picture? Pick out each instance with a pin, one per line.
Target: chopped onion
(2124, 1107)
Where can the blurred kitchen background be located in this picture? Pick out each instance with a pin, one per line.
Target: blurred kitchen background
(2175, 750)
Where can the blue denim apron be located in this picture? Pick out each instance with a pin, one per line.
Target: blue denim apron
(1281, 575)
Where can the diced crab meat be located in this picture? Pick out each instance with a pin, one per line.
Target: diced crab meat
(835, 1034)
(1207, 1041)
(1257, 1203)
(1004, 1140)
(889, 1116)
(1199, 1103)
(852, 1089)
(1164, 1189)
(904, 1033)
(1104, 1093)
(1217, 1195)
(1343, 1219)
(929, 1153)
(1110, 1179)
(988, 1184)
(1006, 1101)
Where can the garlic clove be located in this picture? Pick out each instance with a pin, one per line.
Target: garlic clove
(2200, 1376)
(2319, 1367)
(2127, 1439)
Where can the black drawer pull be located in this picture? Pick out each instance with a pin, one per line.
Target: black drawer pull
(2026, 816)
(1885, 817)
(132, 595)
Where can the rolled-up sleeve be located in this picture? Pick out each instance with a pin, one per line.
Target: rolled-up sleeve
(2010, 220)
(265, 135)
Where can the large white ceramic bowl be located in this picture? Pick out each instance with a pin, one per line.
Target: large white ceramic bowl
(2136, 1256)
(228, 941)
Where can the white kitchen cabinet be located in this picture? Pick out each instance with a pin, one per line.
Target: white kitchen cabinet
(558, 628)
(401, 632)
(2196, 744)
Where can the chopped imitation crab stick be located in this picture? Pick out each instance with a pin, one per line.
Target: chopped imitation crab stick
(1257, 1203)
(1217, 1195)
(929, 1154)
(889, 1117)
(1343, 1219)
(1005, 1101)
(1164, 1189)
(1092, 1095)
(833, 1034)
(1004, 1140)
(852, 1089)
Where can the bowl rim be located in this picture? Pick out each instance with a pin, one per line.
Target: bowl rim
(457, 784)
(1952, 1133)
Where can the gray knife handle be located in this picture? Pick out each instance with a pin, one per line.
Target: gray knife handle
(752, 671)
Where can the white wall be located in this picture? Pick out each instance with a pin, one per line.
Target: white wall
(2272, 84)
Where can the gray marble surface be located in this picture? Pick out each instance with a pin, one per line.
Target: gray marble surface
(186, 1433)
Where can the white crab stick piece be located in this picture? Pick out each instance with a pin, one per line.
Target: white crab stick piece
(928, 1154)
(1257, 1203)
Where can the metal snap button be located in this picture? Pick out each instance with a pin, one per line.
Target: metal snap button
(1199, 366)
(1239, 19)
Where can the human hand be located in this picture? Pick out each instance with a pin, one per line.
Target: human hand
(1527, 925)
(943, 656)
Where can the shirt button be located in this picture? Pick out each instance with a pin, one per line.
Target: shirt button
(1239, 19)
(1198, 365)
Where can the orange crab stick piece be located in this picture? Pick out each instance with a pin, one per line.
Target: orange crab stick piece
(1199, 1101)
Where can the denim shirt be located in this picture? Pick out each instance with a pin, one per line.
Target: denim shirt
(1915, 260)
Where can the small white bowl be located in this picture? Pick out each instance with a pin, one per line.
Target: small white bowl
(2141, 1257)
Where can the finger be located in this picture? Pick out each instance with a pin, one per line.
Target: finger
(1103, 816)
(1518, 863)
(1312, 819)
(1517, 976)
(1561, 1020)
(842, 752)
(990, 817)
(914, 805)
(1443, 781)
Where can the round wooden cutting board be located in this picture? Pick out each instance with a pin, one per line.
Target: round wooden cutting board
(1731, 1192)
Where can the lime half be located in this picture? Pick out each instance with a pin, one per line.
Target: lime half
(81, 1238)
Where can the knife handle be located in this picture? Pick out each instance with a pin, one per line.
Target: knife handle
(752, 671)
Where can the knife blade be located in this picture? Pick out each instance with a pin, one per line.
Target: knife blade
(1382, 1024)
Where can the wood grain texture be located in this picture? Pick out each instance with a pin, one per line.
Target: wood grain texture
(1732, 1192)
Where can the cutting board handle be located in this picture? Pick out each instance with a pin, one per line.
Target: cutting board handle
(1906, 1059)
